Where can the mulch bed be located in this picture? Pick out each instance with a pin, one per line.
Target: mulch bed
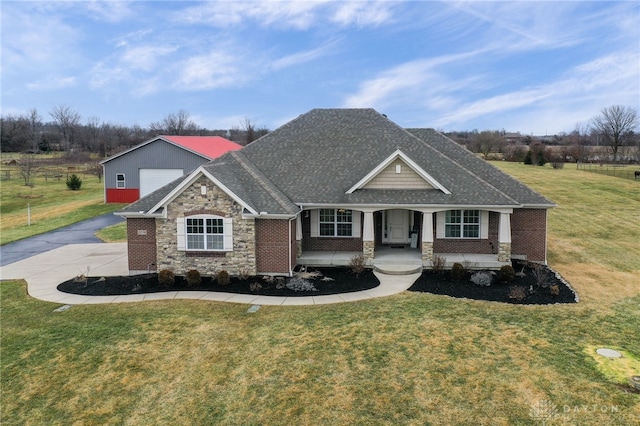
(343, 281)
(443, 283)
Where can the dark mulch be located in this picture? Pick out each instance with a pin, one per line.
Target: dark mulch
(343, 281)
(442, 283)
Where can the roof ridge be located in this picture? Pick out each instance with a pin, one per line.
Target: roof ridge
(262, 180)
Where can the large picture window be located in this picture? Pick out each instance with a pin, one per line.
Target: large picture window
(462, 224)
(336, 223)
(205, 234)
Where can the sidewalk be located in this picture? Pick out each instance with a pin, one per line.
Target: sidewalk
(45, 271)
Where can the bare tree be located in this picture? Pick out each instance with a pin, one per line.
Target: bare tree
(27, 167)
(486, 142)
(35, 125)
(615, 125)
(179, 123)
(67, 121)
(92, 131)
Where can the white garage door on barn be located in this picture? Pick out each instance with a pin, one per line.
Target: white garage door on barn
(152, 179)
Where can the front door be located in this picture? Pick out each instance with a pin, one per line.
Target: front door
(397, 226)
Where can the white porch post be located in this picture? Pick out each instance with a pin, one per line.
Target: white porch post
(368, 237)
(299, 235)
(504, 238)
(427, 237)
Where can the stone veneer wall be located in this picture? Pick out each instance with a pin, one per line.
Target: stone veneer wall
(243, 257)
(529, 234)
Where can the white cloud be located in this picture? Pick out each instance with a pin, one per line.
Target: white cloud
(52, 83)
(301, 57)
(145, 57)
(213, 70)
(362, 14)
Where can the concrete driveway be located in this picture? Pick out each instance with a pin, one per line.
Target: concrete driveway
(78, 233)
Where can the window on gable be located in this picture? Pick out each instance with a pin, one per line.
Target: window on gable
(336, 223)
(120, 182)
(462, 224)
(204, 233)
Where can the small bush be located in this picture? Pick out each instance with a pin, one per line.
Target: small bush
(481, 278)
(193, 278)
(457, 271)
(357, 264)
(554, 290)
(74, 182)
(255, 287)
(224, 278)
(166, 278)
(244, 274)
(299, 284)
(517, 292)
(506, 274)
(438, 263)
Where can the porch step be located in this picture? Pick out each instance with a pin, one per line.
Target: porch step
(397, 269)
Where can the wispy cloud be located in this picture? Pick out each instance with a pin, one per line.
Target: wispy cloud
(52, 83)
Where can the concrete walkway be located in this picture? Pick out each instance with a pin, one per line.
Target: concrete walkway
(43, 273)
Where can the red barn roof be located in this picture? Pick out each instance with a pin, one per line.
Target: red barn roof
(209, 146)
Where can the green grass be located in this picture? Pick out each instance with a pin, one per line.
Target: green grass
(413, 359)
(52, 205)
(114, 234)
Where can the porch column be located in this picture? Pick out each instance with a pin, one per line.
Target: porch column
(427, 238)
(368, 237)
(504, 238)
(299, 235)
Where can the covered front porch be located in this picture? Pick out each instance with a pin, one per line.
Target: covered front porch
(393, 260)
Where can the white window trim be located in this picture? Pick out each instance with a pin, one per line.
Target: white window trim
(441, 226)
(227, 238)
(355, 224)
(124, 180)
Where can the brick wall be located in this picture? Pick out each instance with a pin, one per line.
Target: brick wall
(241, 259)
(471, 245)
(528, 234)
(141, 244)
(273, 245)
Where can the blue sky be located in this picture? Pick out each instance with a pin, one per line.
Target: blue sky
(534, 67)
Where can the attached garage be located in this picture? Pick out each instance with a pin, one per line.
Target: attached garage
(152, 179)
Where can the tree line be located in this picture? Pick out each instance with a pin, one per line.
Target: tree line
(67, 131)
(610, 135)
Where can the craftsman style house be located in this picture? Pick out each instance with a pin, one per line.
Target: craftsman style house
(331, 184)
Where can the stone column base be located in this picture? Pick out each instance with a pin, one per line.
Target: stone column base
(427, 253)
(368, 251)
(504, 252)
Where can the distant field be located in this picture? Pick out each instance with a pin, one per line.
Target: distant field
(625, 171)
(50, 203)
(408, 359)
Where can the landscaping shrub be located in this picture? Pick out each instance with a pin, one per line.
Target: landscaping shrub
(193, 278)
(299, 284)
(438, 263)
(166, 278)
(74, 182)
(357, 264)
(481, 278)
(554, 290)
(506, 274)
(457, 271)
(255, 287)
(224, 278)
(517, 293)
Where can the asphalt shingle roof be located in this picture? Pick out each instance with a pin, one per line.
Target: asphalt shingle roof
(317, 157)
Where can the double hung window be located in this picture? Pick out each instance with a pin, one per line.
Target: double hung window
(462, 224)
(204, 233)
(336, 223)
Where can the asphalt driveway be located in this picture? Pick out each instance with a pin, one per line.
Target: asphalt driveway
(78, 233)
